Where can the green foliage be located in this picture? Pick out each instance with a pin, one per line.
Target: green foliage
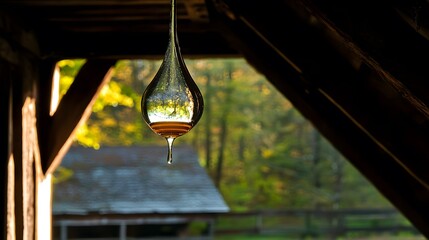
(68, 71)
(115, 119)
(272, 156)
(62, 174)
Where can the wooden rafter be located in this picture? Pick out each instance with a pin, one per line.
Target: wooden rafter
(341, 96)
(376, 39)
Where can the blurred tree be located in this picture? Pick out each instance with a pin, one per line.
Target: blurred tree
(259, 150)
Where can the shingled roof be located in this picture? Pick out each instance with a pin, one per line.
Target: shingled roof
(135, 180)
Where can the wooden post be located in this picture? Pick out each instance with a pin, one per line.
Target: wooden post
(19, 76)
(259, 223)
(7, 220)
(25, 99)
(24, 151)
(63, 231)
(123, 230)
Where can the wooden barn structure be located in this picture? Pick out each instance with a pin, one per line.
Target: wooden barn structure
(356, 69)
(129, 192)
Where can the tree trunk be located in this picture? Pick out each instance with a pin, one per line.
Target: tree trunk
(338, 170)
(224, 125)
(241, 148)
(208, 122)
(222, 140)
(315, 145)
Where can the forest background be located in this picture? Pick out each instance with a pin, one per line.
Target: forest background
(258, 149)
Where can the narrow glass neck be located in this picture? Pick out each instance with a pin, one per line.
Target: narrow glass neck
(173, 32)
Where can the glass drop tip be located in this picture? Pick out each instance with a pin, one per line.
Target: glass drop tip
(170, 141)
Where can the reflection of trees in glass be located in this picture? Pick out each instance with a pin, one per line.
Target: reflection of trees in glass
(250, 138)
(177, 108)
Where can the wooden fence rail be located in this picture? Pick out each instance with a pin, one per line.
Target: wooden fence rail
(304, 223)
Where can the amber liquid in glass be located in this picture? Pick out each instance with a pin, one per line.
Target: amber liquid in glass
(171, 129)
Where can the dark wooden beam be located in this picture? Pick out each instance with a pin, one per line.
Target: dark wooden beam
(302, 61)
(6, 140)
(118, 30)
(17, 152)
(123, 45)
(389, 110)
(74, 107)
(339, 77)
(385, 41)
(415, 13)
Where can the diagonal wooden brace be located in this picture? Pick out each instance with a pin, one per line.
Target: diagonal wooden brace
(73, 109)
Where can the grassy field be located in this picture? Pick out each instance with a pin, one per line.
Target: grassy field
(248, 237)
(384, 237)
(311, 225)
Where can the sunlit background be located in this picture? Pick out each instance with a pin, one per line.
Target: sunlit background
(260, 153)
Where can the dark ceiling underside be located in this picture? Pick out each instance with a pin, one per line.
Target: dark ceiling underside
(356, 69)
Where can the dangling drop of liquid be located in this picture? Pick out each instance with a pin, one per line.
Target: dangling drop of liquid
(172, 104)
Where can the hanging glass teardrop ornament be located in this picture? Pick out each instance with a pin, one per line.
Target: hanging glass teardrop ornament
(172, 104)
